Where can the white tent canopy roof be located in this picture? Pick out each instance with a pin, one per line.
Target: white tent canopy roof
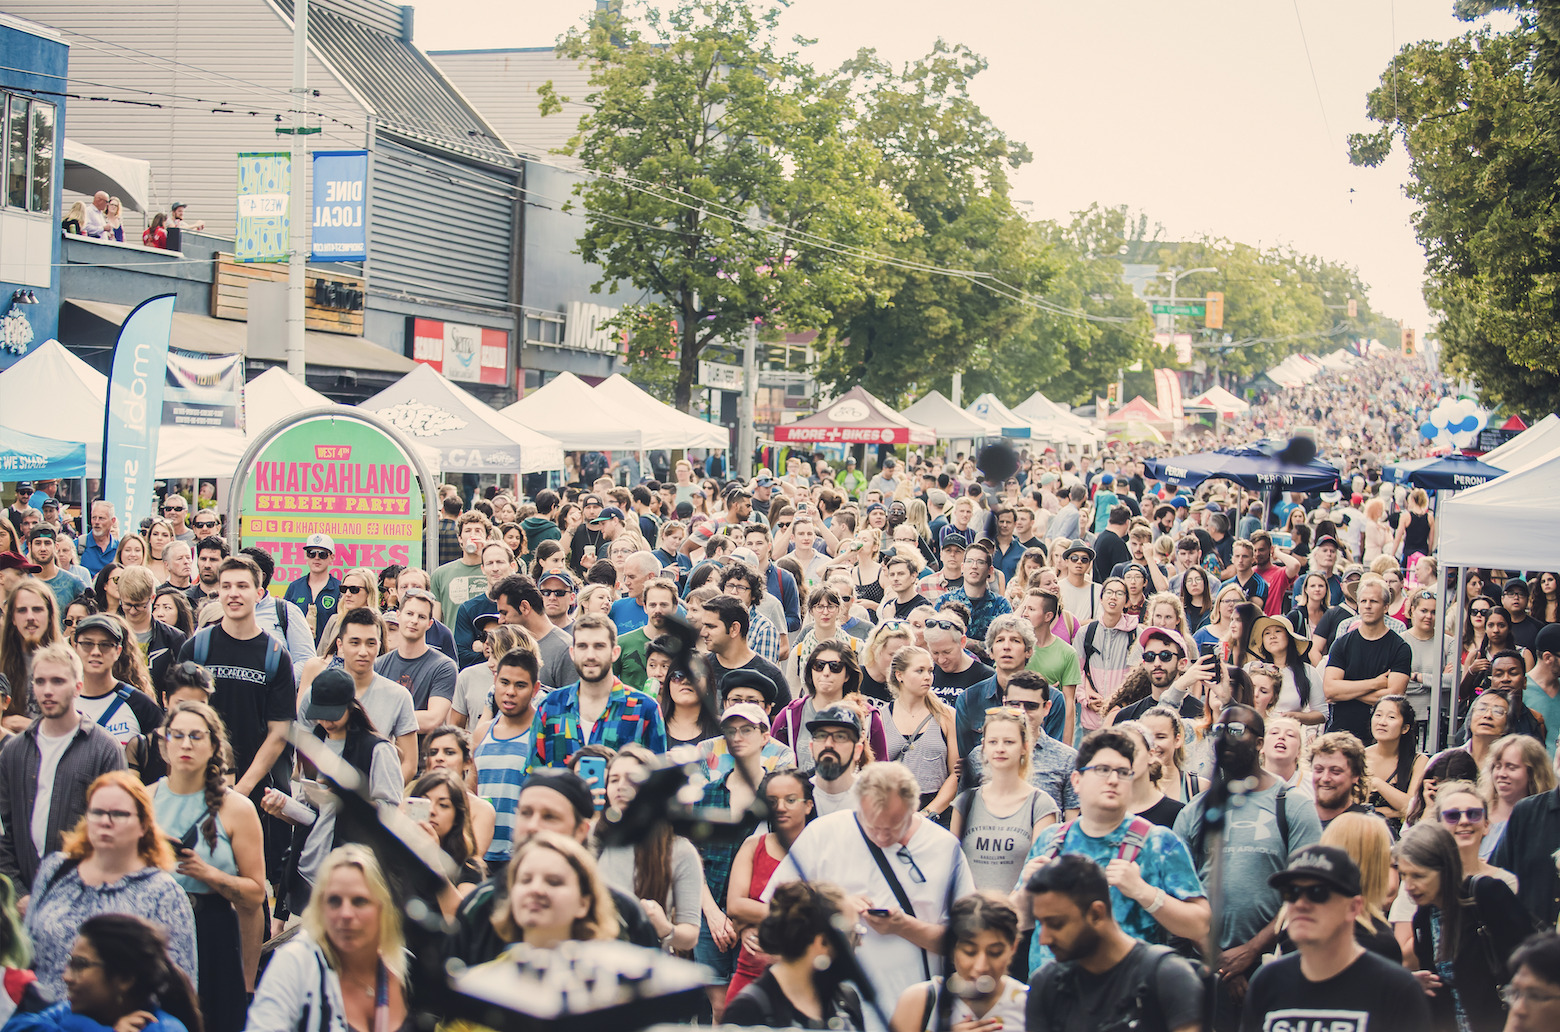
(468, 434)
(662, 425)
(1216, 397)
(567, 409)
(188, 451)
(948, 420)
(1536, 441)
(1506, 523)
(88, 170)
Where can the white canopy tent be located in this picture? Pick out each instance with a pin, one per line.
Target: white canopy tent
(950, 422)
(567, 409)
(88, 170)
(52, 393)
(1055, 422)
(469, 436)
(1535, 442)
(1220, 400)
(1506, 523)
(662, 425)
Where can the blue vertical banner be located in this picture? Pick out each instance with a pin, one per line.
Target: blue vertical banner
(134, 411)
(340, 224)
(264, 188)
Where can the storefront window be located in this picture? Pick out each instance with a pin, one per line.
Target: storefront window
(28, 145)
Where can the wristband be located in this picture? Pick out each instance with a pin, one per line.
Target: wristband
(1158, 901)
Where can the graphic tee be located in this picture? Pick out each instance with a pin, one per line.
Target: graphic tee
(1371, 995)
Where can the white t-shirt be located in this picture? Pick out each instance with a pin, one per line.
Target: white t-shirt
(50, 750)
(471, 691)
(832, 849)
(1289, 694)
(1084, 602)
(826, 803)
(123, 724)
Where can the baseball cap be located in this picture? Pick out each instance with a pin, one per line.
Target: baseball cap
(330, 695)
(836, 716)
(1107, 479)
(14, 561)
(748, 711)
(1172, 636)
(1515, 586)
(890, 461)
(176, 205)
(484, 619)
(850, 460)
(953, 537)
(49, 503)
(683, 510)
(40, 531)
(320, 541)
(611, 512)
(564, 576)
(1547, 639)
(102, 622)
(590, 499)
(1326, 539)
(1327, 864)
(1181, 502)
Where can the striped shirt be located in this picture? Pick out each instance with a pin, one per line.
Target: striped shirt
(500, 776)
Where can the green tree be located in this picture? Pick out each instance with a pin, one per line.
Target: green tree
(724, 181)
(1477, 117)
(946, 164)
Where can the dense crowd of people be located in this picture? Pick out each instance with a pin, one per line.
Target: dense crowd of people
(1056, 747)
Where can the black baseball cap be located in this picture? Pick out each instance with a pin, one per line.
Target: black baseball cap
(836, 716)
(953, 537)
(1327, 864)
(567, 784)
(105, 623)
(1515, 586)
(330, 695)
(42, 530)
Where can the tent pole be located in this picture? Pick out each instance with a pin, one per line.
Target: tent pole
(1438, 688)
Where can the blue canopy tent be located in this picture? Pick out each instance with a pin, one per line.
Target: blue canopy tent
(25, 456)
(1255, 469)
(1441, 472)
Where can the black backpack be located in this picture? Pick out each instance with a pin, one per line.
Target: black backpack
(1141, 1012)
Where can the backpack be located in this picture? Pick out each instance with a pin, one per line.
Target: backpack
(1138, 831)
(1195, 844)
(1140, 1012)
(202, 651)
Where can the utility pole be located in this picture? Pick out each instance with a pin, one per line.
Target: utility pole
(298, 223)
(746, 431)
(958, 390)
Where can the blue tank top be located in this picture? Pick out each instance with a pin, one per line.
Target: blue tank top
(501, 766)
(175, 815)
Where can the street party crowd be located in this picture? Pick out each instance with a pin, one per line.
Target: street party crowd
(1022, 740)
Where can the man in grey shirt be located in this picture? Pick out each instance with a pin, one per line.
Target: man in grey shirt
(519, 602)
(419, 668)
(388, 705)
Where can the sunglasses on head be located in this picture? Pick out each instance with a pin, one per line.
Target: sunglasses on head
(833, 666)
(946, 625)
(1311, 893)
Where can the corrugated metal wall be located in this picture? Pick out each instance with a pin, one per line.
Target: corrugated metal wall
(190, 73)
(502, 84)
(439, 231)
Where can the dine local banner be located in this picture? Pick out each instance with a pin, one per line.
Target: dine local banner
(339, 231)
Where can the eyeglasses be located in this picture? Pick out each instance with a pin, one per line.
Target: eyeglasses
(111, 816)
(834, 737)
(134, 607)
(1233, 729)
(916, 874)
(316, 553)
(833, 666)
(554, 592)
(1027, 705)
(1162, 656)
(194, 736)
(81, 964)
(742, 730)
(96, 645)
(1107, 772)
(1473, 814)
(1314, 893)
(1512, 995)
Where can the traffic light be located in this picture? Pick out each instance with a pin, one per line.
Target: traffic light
(1409, 348)
(1213, 313)
(1110, 393)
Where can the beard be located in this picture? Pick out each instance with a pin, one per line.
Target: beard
(830, 766)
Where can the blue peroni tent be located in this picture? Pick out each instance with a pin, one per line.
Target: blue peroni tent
(1441, 472)
(1252, 468)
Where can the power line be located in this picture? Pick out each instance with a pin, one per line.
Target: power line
(1314, 81)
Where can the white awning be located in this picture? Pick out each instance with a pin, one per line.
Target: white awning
(88, 170)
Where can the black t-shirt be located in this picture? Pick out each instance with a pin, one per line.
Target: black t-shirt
(1063, 997)
(1360, 659)
(244, 697)
(1327, 627)
(1191, 709)
(1525, 633)
(1370, 995)
(763, 1003)
(1164, 812)
(892, 610)
(950, 686)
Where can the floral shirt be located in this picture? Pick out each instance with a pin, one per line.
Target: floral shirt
(630, 716)
(982, 610)
(57, 913)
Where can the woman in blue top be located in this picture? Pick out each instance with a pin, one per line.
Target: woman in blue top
(221, 858)
(119, 971)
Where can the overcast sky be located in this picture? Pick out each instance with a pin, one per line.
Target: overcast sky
(1203, 114)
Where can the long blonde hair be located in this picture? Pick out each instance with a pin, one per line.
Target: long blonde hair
(1026, 738)
(1366, 839)
(902, 660)
(392, 944)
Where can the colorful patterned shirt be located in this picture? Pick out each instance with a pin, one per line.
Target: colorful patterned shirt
(982, 610)
(763, 637)
(630, 716)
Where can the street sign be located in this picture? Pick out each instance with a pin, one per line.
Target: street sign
(1493, 437)
(720, 376)
(1192, 309)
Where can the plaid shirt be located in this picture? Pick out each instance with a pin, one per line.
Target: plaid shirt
(763, 638)
(449, 542)
(630, 716)
(718, 856)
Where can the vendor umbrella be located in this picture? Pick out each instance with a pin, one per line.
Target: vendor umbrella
(1441, 473)
(1255, 469)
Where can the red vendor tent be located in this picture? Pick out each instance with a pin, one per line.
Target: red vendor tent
(855, 418)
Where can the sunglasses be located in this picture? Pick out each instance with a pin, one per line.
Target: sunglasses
(554, 592)
(1162, 656)
(205, 524)
(352, 589)
(175, 508)
(1233, 729)
(833, 666)
(1310, 893)
(1027, 705)
(1480, 611)
(316, 553)
(946, 625)
(1473, 814)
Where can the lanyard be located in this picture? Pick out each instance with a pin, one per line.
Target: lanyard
(382, 999)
